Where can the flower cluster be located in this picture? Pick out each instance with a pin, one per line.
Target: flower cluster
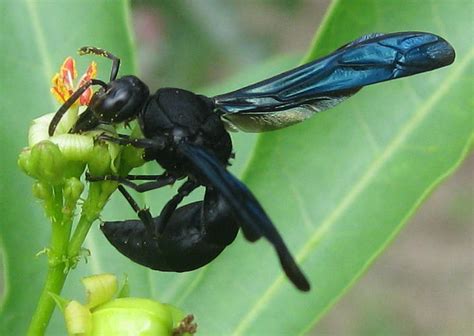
(51, 160)
(77, 149)
(57, 163)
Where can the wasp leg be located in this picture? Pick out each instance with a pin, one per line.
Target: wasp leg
(159, 181)
(143, 214)
(172, 204)
(155, 144)
(146, 177)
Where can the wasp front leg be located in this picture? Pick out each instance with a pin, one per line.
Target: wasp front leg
(156, 181)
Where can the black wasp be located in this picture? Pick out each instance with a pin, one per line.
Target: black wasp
(186, 134)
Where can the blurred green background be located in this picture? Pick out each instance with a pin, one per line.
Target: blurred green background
(423, 283)
(419, 286)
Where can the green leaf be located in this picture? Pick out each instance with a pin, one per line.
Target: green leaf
(338, 187)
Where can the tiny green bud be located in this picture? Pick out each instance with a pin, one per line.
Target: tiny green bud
(42, 191)
(131, 158)
(99, 161)
(72, 190)
(24, 161)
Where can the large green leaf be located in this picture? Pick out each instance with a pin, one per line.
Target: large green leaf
(338, 187)
(341, 185)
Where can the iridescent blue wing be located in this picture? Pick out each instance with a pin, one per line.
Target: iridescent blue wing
(246, 210)
(295, 95)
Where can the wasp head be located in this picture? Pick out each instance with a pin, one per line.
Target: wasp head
(120, 100)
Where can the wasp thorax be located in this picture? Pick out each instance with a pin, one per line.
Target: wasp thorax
(120, 101)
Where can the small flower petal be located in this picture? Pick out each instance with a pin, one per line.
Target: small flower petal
(68, 72)
(63, 82)
(99, 288)
(91, 72)
(39, 129)
(78, 319)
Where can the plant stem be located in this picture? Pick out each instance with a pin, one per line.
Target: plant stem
(64, 252)
(80, 234)
(57, 270)
(54, 284)
(99, 193)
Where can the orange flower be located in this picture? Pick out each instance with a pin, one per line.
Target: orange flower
(63, 82)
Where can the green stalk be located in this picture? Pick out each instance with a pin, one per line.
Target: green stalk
(54, 284)
(99, 193)
(57, 257)
(64, 252)
(59, 187)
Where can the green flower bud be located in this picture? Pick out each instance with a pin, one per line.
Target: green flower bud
(99, 161)
(127, 316)
(24, 161)
(45, 163)
(131, 158)
(103, 315)
(42, 191)
(114, 152)
(72, 190)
